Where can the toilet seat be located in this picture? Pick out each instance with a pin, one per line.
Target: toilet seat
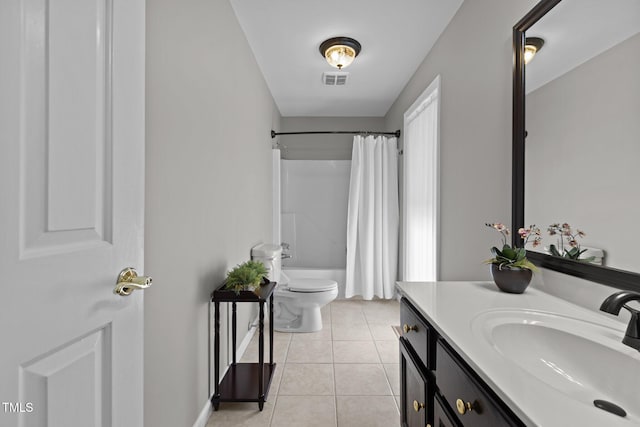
(311, 285)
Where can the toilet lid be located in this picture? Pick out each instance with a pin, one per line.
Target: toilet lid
(312, 285)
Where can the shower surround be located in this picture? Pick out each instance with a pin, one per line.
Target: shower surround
(314, 195)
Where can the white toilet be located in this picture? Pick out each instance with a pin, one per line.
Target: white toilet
(297, 302)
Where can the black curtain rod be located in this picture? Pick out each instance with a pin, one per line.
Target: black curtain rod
(352, 132)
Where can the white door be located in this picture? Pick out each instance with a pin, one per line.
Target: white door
(71, 211)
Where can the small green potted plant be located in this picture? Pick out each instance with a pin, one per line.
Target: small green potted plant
(510, 268)
(563, 232)
(246, 276)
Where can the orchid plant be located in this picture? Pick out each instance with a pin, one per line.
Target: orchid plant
(564, 232)
(514, 257)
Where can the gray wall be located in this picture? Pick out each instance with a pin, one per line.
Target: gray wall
(208, 194)
(324, 147)
(582, 152)
(473, 58)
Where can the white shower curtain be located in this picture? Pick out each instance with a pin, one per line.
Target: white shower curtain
(372, 223)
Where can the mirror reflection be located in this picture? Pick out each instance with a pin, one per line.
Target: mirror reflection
(583, 125)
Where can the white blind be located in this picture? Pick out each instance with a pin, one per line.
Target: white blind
(421, 188)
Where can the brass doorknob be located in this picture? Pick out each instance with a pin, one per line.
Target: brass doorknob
(128, 281)
(417, 406)
(406, 328)
(463, 407)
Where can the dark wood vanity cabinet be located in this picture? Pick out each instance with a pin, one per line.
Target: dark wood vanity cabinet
(416, 364)
(417, 401)
(454, 394)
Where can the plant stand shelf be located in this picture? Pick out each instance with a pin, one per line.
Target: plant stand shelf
(240, 383)
(243, 382)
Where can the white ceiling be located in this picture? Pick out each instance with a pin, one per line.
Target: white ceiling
(396, 36)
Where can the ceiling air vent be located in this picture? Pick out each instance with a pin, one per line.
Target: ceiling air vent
(335, 78)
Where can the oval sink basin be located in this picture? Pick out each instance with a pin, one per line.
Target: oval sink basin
(583, 360)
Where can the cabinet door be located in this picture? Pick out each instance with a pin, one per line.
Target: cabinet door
(417, 334)
(440, 417)
(417, 403)
(464, 394)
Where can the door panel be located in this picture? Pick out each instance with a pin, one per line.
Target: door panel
(72, 209)
(81, 365)
(67, 78)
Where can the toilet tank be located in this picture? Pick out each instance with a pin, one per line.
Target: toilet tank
(271, 257)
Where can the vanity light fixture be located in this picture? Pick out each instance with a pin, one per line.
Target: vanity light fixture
(340, 51)
(531, 46)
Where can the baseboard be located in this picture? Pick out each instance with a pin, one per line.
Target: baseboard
(207, 410)
(204, 414)
(247, 338)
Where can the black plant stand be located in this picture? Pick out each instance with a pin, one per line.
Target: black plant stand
(243, 382)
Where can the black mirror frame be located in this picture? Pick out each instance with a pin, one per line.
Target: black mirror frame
(605, 275)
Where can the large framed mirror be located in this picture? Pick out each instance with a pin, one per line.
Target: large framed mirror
(576, 135)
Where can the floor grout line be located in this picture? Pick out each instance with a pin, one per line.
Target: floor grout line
(335, 389)
(283, 364)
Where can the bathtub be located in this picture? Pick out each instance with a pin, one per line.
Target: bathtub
(337, 274)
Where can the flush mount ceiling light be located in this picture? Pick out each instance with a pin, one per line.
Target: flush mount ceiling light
(531, 46)
(340, 51)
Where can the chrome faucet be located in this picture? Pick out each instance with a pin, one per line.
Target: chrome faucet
(614, 303)
(285, 251)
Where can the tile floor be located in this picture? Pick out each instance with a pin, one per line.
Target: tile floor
(345, 375)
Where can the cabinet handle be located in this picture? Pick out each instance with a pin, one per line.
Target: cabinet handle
(417, 406)
(463, 407)
(406, 328)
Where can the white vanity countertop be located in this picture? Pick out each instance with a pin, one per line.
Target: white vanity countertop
(451, 308)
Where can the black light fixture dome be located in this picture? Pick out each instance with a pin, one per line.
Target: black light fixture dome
(340, 51)
(531, 46)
